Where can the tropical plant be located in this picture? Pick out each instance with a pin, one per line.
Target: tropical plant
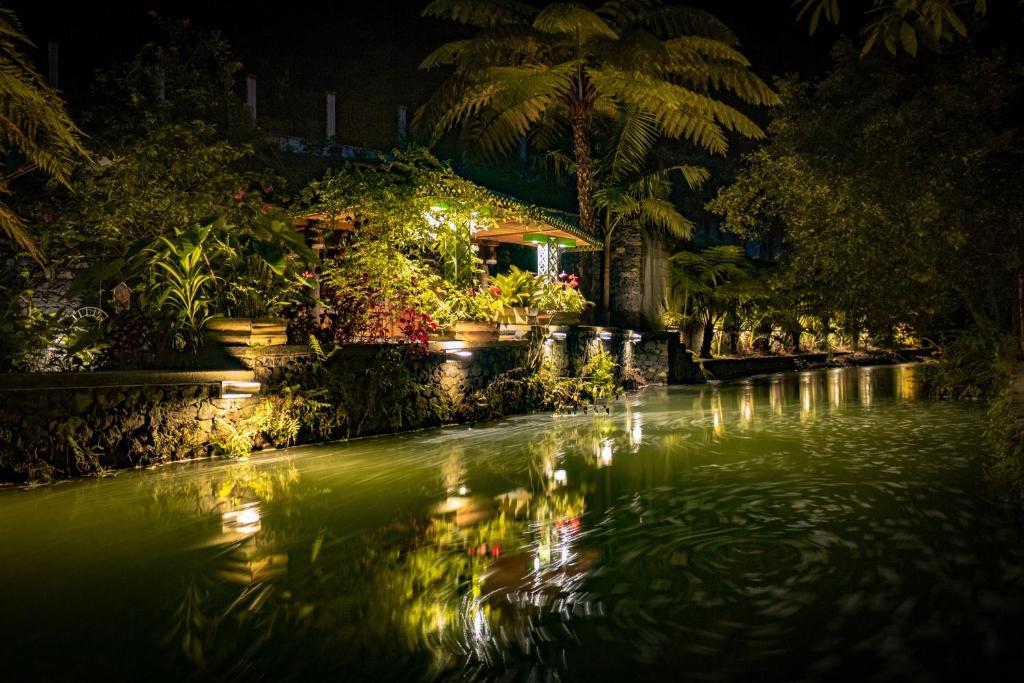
(901, 23)
(706, 280)
(630, 193)
(531, 70)
(561, 294)
(473, 304)
(516, 288)
(34, 123)
(182, 284)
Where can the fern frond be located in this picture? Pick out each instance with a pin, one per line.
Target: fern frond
(568, 18)
(480, 13)
(679, 20)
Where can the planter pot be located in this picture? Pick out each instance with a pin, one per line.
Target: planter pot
(515, 315)
(247, 331)
(475, 331)
(564, 318)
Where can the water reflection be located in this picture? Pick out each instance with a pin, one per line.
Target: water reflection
(695, 532)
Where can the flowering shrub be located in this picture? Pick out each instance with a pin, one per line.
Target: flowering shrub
(560, 295)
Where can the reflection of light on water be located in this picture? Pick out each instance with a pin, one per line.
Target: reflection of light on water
(717, 421)
(836, 387)
(808, 409)
(864, 386)
(776, 397)
(747, 405)
(636, 431)
(244, 521)
(903, 377)
(606, 452)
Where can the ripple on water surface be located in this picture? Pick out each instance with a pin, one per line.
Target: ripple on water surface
(826, 525)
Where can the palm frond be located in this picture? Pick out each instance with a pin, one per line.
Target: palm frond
(680, 112)
(480, 13)
(568, 18)
(634, 136)
(679, 20)
(12, 225)
(662, 214)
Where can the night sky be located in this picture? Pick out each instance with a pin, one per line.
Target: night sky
(367, 52)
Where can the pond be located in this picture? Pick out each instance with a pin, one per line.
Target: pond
(822, 525)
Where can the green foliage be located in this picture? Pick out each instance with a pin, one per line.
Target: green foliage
(182, 285)
(559, 295)
(892, 188)
(596, 381)
(535, 70)
(516, 288)
(471, 305)
(902, 24)
(712, 284)
(33, 122)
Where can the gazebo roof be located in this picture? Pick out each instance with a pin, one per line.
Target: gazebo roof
(533, 220)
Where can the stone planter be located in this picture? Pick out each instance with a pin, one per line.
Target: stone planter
(563, 318)
(515, 315)
(467, 330)
(247, 331)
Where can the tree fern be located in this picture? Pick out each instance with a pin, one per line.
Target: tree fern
(33, 121)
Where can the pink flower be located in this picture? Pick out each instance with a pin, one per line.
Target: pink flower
(268, 188)
(47, 217)
(265, 209)
(239, 195)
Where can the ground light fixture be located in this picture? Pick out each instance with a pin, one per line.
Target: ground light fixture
(239, 389)
(455, 354)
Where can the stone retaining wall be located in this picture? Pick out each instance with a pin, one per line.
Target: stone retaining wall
(66, 424)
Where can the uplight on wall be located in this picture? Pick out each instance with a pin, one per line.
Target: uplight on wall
(238, 389)
(453, 355)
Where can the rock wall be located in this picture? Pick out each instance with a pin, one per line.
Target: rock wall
(70, 424)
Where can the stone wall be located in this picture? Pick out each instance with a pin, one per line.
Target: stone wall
(63, 424)
(66, 424)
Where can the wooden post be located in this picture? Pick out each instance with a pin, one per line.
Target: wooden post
(332, 115)
(52, 62)
(250, 95)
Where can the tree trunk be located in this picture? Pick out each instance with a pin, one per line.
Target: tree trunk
(795, 336)
(606, 282)
(734, 343)
(580, 114)
(705, 342)
(581, 111)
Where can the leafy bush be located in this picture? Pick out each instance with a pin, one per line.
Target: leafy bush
(516, 288)
(560, 295)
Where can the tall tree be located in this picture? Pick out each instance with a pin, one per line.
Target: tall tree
(33, 122)
(535, 72)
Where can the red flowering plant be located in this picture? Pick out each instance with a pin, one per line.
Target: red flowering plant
(561, 294)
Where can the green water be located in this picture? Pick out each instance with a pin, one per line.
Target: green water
(827, 525)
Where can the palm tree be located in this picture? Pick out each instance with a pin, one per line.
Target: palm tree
(711, 283)
(628, 192)
(530, 70)
(34, 122)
